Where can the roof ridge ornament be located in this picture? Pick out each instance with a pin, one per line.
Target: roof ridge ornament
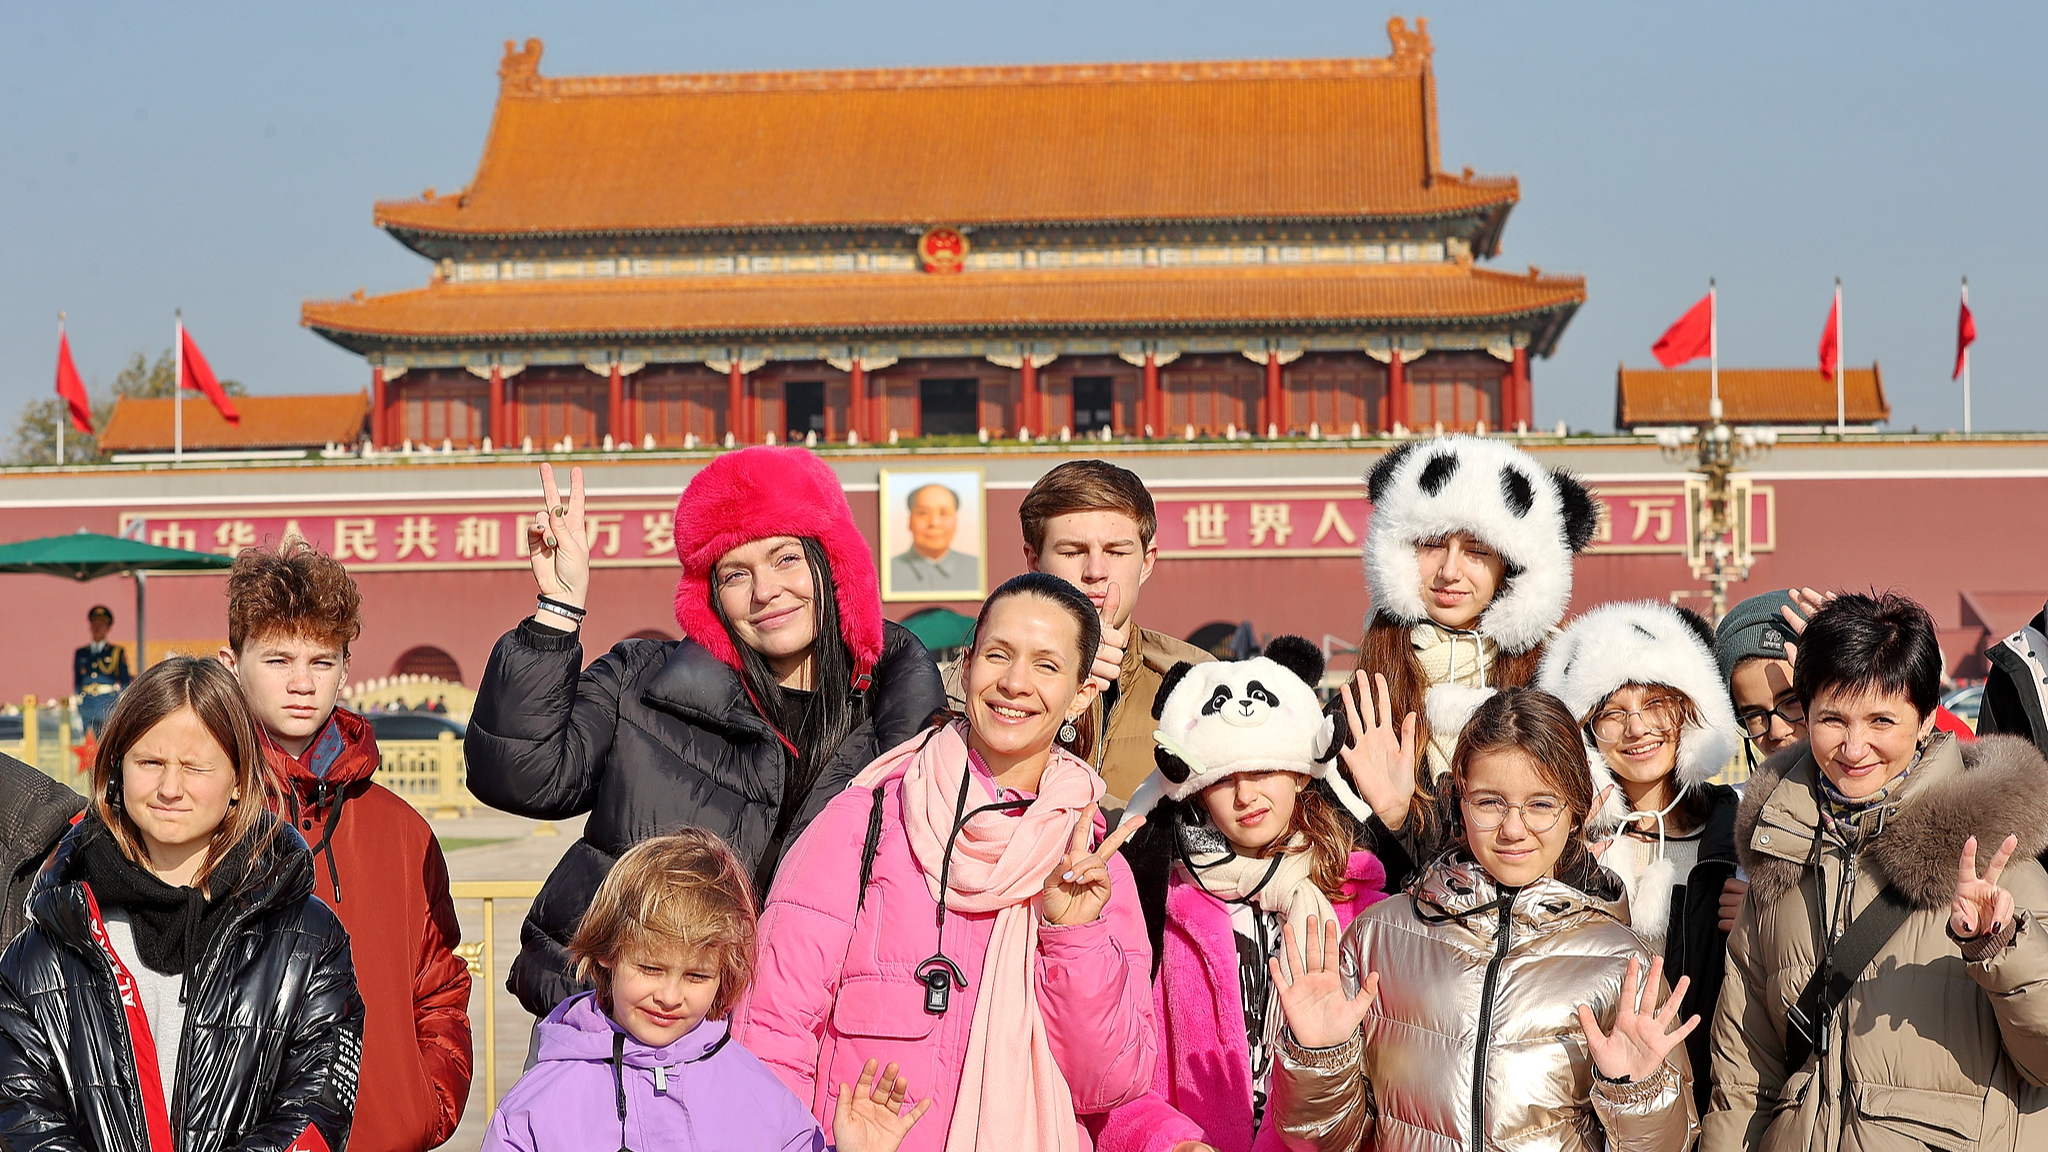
(1411, 49)
(519, 71)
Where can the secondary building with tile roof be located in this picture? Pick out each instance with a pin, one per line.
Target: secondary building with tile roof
(1786, 398)
(1146, 249)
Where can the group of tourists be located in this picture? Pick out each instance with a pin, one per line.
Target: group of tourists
(1086, 887)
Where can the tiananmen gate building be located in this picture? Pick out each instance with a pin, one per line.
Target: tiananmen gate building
(1149, 249)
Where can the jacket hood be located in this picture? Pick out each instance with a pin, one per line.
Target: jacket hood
(1456, 886)
(1643, 643)
(346, 743)
(760, 492)
(1989, 788)
(1536, 518)
(578, 1030)
(281, 873)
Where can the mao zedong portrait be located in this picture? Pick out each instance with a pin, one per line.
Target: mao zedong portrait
(931, 563)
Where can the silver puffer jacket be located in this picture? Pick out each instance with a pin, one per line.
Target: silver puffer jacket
(1475, 1040)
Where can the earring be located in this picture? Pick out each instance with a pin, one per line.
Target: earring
(1069, 733)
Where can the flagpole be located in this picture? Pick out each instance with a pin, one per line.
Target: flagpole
(178, 391)
(1966, 365)
(64, 408)
(1713, 351)
(1841, 406)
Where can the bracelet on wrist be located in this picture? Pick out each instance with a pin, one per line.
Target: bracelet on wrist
(561, 607)
(572, 622)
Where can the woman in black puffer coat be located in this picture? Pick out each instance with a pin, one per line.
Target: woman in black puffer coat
(788, 684)
(179, 986)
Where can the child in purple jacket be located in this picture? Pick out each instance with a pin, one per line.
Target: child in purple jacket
(644, 1062)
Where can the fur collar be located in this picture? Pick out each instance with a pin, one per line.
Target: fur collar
(1988, 788)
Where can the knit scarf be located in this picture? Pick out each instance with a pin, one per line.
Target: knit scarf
(1013, 1096)
(1460, 660)
(1842, 815)
(1286, 890)
(172, 924)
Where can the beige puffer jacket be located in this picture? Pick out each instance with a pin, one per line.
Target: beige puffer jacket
(1929, 1050)
(1474, 992)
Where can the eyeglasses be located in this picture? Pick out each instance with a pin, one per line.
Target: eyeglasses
(1657, 716)
(1756, 722)
(1539, 815)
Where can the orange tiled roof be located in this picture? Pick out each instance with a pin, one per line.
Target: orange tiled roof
(1647, 397)
(267, 422)
(1068, 143)
(871, 305)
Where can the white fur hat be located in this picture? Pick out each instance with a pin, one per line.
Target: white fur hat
(1644, 642)
(1537, 518)
(1222, 718)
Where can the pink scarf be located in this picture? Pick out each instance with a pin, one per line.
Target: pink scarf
(1013, 1097)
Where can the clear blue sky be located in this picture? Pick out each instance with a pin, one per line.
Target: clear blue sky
(224, 158)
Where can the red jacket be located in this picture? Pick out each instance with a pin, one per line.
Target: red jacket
(377, 864)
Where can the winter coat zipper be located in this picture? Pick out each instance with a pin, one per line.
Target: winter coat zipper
(1488, 991)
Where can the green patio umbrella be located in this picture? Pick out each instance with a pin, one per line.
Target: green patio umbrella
(86, 556)
(938, 628)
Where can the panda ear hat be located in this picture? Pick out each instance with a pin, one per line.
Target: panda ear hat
(1644, 642)
(1536, 518)
(1219, 719)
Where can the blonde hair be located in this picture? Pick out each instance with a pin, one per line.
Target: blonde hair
(684, 892)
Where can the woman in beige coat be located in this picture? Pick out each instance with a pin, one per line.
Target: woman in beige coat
(1515, 1009)
(1942, 1040)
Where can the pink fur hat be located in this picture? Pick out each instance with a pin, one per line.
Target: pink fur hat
(760, 492)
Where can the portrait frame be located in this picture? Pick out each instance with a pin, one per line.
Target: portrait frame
(907, 575)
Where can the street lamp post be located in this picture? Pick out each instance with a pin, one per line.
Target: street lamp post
(1717, 499)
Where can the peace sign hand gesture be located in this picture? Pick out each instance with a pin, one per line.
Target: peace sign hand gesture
(559, 541)
(1640, 1039)
(1318, 1011)
(1078, 888)
(1981, 907)
(1379, 758)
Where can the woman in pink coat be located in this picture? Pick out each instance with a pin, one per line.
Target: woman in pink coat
(1254, 842)
(1022, 1002)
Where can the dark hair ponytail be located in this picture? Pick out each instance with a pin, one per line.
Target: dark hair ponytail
(1087, 623)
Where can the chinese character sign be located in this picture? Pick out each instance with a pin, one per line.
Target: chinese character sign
(1634, 518)
(438, 536)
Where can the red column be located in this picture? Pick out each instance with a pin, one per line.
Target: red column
(1027, 396)
(1152, 411)
(500, 419)
(1397, 392)
(1525, 399)
(857, 401)
(615, 406)
(1276, 395)
(736, 402)
(378, 417)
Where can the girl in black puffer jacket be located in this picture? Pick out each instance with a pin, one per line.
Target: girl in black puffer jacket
(788, 684)
(178, 985)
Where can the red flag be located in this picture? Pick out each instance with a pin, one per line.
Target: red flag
(1966, 335)
(196, 375)
(1689, 339)
(1831, 341)
(70, 387)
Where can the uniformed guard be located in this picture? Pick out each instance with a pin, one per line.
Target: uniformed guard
(99, 671)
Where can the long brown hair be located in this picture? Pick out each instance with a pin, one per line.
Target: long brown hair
(1330, 842)
(213, 694)
(1389, 649)
(1539, 726)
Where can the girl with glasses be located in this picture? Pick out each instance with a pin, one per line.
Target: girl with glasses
(1503, 1000)
(1657, 725)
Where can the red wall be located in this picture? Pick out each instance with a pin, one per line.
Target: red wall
(1935, 539)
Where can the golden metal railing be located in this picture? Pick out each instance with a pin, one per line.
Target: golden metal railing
(482, 955)
(431, 774)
